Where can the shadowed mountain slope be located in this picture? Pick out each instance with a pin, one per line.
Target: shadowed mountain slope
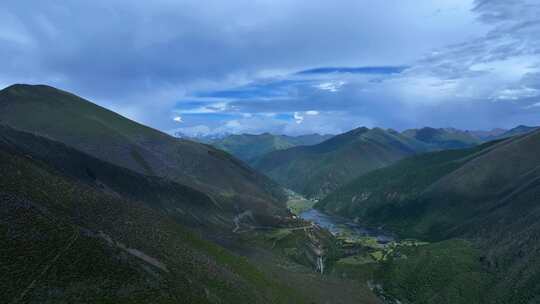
(75, 228)
(489, 194)
(78, 123)
(519, 130)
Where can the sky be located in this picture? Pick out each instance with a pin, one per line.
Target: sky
(204, 67)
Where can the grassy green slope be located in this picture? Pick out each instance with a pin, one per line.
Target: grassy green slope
(189, 205)
(495, 199)
(489, 195)
(318, 169)
(493, 180)
(392, 194)
(445, 272)
(87, 127)
(72, 235)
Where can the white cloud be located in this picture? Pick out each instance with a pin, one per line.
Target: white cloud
(534, 105)
(493, 66)
(298, 118)
(232, 124)
(331, 86)
(193, 131)
(334, 122)
(178, 119)
(207, 109)
(421, 88)
(324, 123)
(509, 69)
(516, 94)
(472, 60)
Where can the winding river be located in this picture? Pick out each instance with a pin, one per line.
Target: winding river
(344, 227)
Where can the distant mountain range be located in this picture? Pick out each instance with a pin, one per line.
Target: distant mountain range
(250, 146)
(441, 139)
(451, 138)
(321, 168)
(486, 135)
(519, 130)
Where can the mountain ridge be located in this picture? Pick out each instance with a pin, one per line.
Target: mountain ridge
(87, 229)
(317, 169)
(250, 146)
(67, 118)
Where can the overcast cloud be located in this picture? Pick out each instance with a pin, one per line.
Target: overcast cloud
(284, 66)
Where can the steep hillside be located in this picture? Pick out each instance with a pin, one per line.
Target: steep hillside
(519, 130)
(442, 139)
(248, 146)
(389, 193)
(435, 194)
(489, 195)
(318, 169)
(76, 229)
(106, 135)
(190, 206)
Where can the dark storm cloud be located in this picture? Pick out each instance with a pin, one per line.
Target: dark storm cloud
(293, 66)
(112, 47)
